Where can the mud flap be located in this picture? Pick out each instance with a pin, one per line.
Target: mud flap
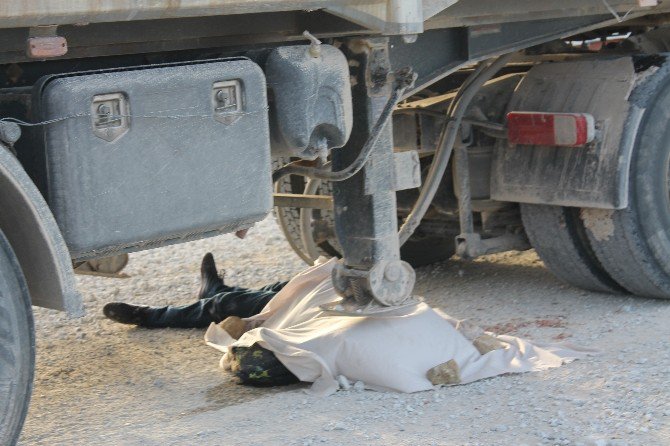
(595, 176)
(36, 240)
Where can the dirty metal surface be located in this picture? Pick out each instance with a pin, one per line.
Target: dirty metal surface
(593, 176)
(404, 17)
(150, 142)
(389, 16)
(37, 242)
(19, 13)
(366, 224)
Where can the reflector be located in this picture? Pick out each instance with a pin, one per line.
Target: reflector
(550, 129)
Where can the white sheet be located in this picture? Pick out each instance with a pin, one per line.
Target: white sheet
(392, 351)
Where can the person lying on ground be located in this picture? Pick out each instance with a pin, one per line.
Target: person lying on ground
(216, 301)
(272, 337)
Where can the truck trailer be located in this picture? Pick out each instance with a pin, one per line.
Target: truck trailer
(389, 133)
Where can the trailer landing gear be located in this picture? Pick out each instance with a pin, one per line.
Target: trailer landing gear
(371, 275)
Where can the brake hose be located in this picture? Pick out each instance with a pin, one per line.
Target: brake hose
(447, 141)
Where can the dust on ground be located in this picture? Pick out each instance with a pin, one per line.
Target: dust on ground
(101, 383)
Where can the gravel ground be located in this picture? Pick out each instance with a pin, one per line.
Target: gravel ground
(100, 383)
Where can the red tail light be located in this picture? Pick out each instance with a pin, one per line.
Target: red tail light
(550, 129)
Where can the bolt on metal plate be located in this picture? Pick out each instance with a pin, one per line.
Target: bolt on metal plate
(227, 101)
(46, 47)
(110, 116)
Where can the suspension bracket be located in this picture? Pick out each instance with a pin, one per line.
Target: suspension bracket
(371, 275)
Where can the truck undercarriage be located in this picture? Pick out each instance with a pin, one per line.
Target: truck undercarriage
(395, 134)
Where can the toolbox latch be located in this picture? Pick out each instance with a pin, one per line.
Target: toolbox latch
(227, 99)
(110, 116)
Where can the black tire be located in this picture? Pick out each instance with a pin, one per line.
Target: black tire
(633, 244)
(559, 238)
(17, 346)
(289, 218)
(421, 251)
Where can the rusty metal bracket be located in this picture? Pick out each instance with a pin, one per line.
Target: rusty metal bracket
(371, 273)
(303, 201)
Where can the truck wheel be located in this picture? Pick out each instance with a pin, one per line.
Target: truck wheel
(421, 251)
(633, 244)
(289, 218)
(417, 251)
(17, 346)
(559, 238)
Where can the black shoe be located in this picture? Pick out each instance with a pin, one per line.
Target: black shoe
(126, 313)
(210, 281)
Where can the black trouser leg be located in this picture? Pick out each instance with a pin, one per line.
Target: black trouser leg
(230, 301)
(276, 287)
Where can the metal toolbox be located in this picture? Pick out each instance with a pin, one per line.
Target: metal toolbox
(147, 156)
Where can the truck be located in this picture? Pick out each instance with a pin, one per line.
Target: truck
(389, 133)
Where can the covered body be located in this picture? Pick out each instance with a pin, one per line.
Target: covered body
(389, 351)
